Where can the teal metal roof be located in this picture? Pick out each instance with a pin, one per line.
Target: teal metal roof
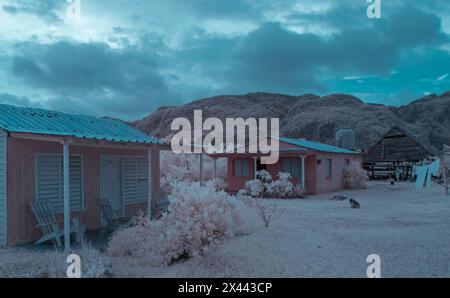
(317, 146)
(39, 121)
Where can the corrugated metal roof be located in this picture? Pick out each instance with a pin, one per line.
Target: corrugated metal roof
(317, 146)
(39, 121)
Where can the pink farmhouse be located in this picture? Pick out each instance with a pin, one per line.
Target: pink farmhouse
(106, 159)
(318, 167)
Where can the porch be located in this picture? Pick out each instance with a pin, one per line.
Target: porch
(243, 167)
(72, 175)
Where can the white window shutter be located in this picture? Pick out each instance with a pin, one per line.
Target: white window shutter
(134, 175)
(49, 181)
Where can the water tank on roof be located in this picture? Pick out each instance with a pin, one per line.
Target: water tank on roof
(346, 138)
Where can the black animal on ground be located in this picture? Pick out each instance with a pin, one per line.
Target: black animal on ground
(354, 204)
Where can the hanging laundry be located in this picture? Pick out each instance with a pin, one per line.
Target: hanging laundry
(428, 180)
(421, 172)
(435, 167)
(433, 170)
(414, 171)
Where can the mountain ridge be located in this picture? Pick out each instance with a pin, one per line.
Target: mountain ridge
(318, 117)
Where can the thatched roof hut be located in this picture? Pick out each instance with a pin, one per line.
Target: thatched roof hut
(396, 152)
(398, 145)
(446, 155)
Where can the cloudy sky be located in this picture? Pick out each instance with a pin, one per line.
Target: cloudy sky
(125, 58)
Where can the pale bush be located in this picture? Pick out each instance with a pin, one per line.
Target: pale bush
(141, 243)
(264, 186)
(355, 176)
(266, 209)
(199, 218)
(254, 188)
(282, 187)
(264, 176)
(186, 167)
(219, 184)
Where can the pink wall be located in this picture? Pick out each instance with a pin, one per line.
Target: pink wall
(336, 181)
(311, 174)
(237, 183)
(315, 180)
(21, 185)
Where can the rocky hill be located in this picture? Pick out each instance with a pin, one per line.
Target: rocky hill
(318, 118)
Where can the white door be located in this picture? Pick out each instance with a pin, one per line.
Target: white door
(111, 181)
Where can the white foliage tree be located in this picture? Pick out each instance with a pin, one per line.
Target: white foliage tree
(199, 218)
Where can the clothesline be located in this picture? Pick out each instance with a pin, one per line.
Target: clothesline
(425, 172)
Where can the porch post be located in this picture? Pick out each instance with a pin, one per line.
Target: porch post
(303, 171)
(149, 184)
(66, 178)
(255, 166)
(201, 169)
(215, 168)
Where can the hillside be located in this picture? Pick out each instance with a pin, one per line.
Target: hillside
(318, 118)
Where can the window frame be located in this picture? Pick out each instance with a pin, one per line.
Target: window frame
(292, 161)
(127, 201)
(60, 210)
(241, 160)
(328, 164)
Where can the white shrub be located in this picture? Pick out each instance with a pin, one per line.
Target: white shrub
(186, 167)
(264, 176)
(355, 176)
(283, 187)
(199, 217)
(255, 188)
(219, 184)
(266, 209)
(264, 186)
(141, 243)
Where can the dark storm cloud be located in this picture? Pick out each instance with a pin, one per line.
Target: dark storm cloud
(145, 65)
(43, 9)
(234, 9)
(284, 61)
(125, 81)
(6, 98)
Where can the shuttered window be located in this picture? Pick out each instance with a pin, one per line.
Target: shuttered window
(134, 175)
(241, 168)
(291, 166)
(50, 180)
(328, 167)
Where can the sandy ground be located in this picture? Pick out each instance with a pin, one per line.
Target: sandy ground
(316, 237)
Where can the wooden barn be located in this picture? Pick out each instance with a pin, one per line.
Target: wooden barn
(397, 151)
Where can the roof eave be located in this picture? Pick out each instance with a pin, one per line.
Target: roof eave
(86, 141)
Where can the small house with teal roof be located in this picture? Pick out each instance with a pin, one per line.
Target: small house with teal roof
(70, 162)
(314, 166)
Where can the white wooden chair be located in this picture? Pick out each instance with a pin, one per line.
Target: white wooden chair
(49, 226)
(162, 203)
(113, 222)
